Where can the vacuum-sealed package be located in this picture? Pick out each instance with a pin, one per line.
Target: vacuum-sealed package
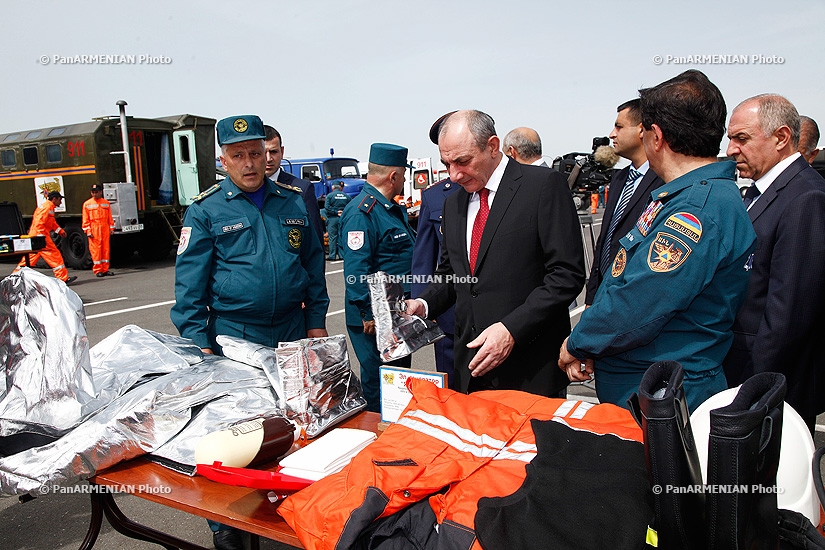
(312, 378)
(398, 333)
(319, 387)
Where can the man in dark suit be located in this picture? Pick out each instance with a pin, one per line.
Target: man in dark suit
(628, 195)
(274, 155)
(512, 261)
(779, 326)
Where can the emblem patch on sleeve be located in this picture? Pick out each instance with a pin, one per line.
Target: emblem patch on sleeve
(646, 219)
(294, 238)
(183, 244)
(687, 224)
(619, 262)
(355, 239)
(667, 252)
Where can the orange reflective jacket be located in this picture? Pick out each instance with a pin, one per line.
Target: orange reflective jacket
(449, 448)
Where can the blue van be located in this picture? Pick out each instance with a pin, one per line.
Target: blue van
(322, 172)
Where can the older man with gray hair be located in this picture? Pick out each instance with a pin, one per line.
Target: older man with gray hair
(783, 316)
(523, 145)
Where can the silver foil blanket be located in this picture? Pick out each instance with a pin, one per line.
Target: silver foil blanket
(46, 381)
(398, 334)
(143, 420)
(312, 377)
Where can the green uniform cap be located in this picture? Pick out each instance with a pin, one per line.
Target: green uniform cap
(240, 128)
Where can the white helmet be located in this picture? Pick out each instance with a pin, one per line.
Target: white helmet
(793, 480)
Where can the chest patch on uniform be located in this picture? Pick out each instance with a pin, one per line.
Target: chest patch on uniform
(231, 228)
(399, 236)
(619, 262)
(294, 237)
(646, 219)
(667, 252)
(183, 244)
(355, 239)
(295, 221)
(687, 224)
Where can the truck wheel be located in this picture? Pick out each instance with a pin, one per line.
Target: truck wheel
(75, 248)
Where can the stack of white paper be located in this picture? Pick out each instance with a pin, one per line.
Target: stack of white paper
(327, 454)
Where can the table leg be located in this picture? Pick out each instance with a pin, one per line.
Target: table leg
(94, 523)
(104, 503)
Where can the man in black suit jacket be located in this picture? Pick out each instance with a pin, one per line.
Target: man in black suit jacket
(627, 141)
(780, 325)
(511, 308)
(274, 154)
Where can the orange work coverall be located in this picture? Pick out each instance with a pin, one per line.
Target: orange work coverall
(43, 223)
(98, 226)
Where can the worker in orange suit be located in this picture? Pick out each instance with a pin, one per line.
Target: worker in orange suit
(43, 223)
(98, 226)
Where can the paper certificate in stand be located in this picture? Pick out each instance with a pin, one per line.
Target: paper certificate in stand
(394, 393)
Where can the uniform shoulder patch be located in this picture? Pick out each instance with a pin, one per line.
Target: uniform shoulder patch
(355, 240)
(185, 235)
(289, 187)
(619, 263)
(367, 203)
(667, 252)
(203, 194)
(687, 224)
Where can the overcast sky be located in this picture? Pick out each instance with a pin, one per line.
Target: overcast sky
(347, 73)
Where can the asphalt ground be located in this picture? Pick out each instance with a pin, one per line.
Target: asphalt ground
(142, 293)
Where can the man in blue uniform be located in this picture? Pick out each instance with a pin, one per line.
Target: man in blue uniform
(334, 207)
(247, 258)
(248, 263)
(425, 259)
(377, 238)
(681, 273)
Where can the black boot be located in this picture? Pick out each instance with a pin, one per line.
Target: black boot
(672, 462)
(743, 458)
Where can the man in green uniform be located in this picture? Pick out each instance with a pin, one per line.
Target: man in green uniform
(248, 263)
(334, 207)
(377, 238)
(682, 272)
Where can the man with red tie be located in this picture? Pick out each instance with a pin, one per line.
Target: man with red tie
(512, 262)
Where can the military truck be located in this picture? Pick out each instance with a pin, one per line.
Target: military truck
(169, 160)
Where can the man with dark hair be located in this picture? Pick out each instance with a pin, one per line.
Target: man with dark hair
(629, 192)
(512, 262)
(523, 145)
(783, 317)
(274, 155)
(808, 138)
(681, 272)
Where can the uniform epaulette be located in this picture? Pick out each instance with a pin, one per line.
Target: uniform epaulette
(367, 203)
(203, 194)
(287, 186)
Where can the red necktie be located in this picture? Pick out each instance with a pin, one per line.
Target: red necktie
(478, 228)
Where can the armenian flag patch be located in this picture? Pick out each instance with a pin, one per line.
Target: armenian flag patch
(687, 224)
